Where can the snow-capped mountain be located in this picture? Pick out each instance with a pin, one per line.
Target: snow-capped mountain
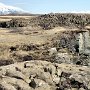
(6, 9)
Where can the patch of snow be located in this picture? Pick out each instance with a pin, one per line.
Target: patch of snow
(6, 9)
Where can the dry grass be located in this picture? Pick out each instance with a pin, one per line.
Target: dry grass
(36, 37)
(25, 36)
(10, 17)
(2, 20)
(33, 36)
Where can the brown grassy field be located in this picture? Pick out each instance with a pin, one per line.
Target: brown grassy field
(17, 16)
(7, 37)
(32, 41)
(11, 37)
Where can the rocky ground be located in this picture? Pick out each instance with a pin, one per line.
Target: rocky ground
(43, 75)
(49, 21)
(41, 52)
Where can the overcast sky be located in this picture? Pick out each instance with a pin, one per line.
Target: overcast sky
(48, 6)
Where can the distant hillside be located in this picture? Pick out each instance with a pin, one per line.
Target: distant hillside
(49, 21)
